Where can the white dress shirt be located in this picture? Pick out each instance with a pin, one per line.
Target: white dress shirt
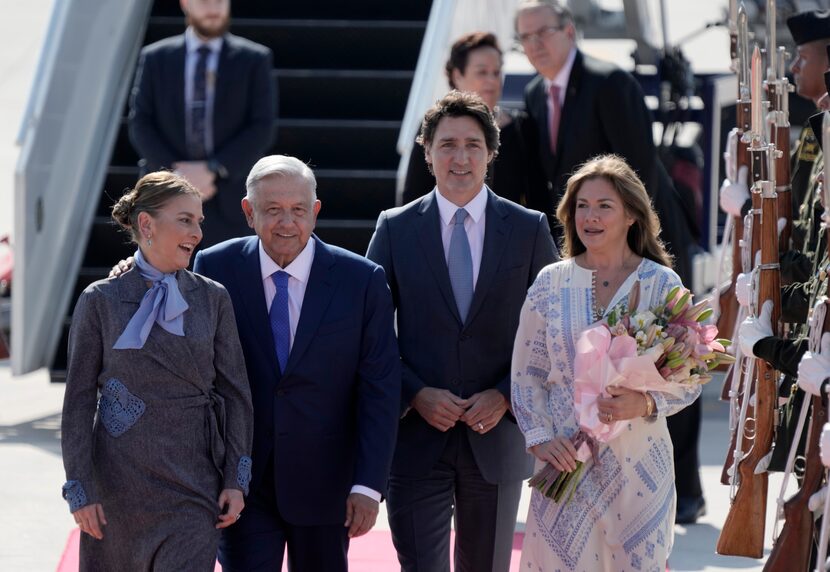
(298, 271)
(474, 225)
(192, 44)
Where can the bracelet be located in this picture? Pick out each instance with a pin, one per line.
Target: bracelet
(649, 405)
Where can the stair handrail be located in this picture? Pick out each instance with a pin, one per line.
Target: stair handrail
(66, 138)
(426, 81)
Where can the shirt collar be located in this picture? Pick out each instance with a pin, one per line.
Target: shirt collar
(563, 76)
(299, 268)
(475, 208)
(193, 43)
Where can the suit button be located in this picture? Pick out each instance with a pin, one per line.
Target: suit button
(455, 381)
(464, 337)
(281, 392)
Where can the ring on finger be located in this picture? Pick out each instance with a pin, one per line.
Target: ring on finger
(480, 426)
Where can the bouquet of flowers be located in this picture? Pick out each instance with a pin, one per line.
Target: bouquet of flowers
(666, 349)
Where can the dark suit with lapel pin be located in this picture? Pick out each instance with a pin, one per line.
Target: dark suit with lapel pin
(438, 350)
(328, 421)
(243, 120)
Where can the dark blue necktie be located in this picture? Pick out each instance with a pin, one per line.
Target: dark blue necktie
(280, 326)
(460, 265)
(198, 107)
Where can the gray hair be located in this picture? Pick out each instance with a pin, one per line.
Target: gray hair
(562, 12)
(279, 166)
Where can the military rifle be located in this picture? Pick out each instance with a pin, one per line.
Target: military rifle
(743, 531)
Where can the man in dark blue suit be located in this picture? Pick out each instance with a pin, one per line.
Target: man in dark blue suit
(459, 262)
(204, 104)
(316, 326)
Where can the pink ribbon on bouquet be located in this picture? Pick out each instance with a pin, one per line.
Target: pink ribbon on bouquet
(602, 361)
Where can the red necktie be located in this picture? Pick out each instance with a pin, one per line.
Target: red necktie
(556, 114)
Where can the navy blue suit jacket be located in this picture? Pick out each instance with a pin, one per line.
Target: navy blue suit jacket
(244, 110)
(437, 348)
(330, 418)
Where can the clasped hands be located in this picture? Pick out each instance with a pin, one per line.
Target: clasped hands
(443, 409)
(91, 520)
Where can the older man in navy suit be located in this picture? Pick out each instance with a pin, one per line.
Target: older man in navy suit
(316, 326)
(203, 104)
(459, 261)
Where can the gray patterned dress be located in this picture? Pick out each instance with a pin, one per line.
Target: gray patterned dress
(155, 434)
(621, 517)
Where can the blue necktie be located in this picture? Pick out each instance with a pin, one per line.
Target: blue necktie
(280, 326)
(198, 107)
(460, 265)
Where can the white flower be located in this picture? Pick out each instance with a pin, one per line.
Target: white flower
(643, 320)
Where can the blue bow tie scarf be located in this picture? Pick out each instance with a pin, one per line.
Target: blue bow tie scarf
(162, 304)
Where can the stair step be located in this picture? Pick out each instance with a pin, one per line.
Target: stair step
(304, 44)
(352, 235)
(328, 143)
(107, 244)
(343, 94)
(355, 194)
(328, 9)
(340, 144)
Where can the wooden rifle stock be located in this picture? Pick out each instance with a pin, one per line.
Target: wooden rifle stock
(743, 531)
(791, 552)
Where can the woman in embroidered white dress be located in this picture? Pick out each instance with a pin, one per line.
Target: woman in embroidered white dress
(621, 515)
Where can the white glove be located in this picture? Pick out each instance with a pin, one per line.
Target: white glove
(742, 289)
(825, 445)
(814, 368)
(733, 195)
(754, 329)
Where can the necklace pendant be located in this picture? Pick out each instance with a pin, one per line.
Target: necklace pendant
(605, 283)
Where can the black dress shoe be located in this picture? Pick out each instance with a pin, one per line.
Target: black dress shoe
(689, 509)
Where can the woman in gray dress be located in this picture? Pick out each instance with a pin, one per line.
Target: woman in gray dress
(157, 415)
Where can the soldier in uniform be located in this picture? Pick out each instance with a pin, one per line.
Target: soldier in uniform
(811, 33)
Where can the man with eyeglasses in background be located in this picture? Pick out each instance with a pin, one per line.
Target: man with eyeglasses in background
(583, 107)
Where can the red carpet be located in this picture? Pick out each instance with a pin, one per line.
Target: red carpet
(371, 553)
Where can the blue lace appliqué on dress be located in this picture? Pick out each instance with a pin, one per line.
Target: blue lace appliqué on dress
(118, 409)
(243, 473)
(73, 492)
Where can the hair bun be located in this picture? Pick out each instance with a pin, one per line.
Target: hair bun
(123, 209)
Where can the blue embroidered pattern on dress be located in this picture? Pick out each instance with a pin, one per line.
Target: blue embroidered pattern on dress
(566, 528)
(636, 562)
(653, 513)
(74, 494)
(243, 473)
(643, 474)
(118, 409)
